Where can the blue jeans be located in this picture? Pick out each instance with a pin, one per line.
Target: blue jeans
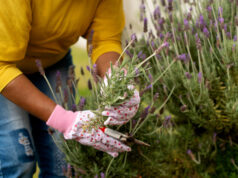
(24, 139)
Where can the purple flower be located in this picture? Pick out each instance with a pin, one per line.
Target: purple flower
(206, 32)
(129, 54)
(134, 123)
(133, 37)
(39, 66)
(143, 56)
(167, 121)
(209, 9)
(149, 87)
(139, 54)
(221, 20)
(74, 107)
(166, 44)
(88, 68)
(225, 27)
(188, 75)
(82, 103)
(184, 58)
(102, 175)
(202, 21)
(189, 152)
(137, 72)
(161, 35)
(186, 24)
(161, 21)
(228, 34)
(157, 13)
(199, 77)
(153, 45)
(220, 11)
(158, 56)
(145, 25)
(142, 7)
(168, 117)
(235, 38)
(145, 113)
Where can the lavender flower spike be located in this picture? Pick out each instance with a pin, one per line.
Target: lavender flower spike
(235, 38)
(202, 21)
(186, 24)
(133, 37)
(82, 103)
(88, 68)
(206, 32)
(199, 77)
(145, 25)
(139, 54)
(39, 66)
(102, 175)
(188, 75)
(182, 57)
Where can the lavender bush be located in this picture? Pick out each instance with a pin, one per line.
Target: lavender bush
(199, 139)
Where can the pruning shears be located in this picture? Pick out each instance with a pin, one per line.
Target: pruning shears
(122, 137)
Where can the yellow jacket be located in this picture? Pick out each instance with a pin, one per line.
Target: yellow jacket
(45, 29)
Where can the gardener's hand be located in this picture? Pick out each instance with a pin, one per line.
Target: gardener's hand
(71, 124)
(118, 115)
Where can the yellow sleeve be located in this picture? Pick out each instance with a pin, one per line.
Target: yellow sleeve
(107, 25)
(15, 25)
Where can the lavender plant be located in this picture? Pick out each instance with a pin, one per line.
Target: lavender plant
(202, 128)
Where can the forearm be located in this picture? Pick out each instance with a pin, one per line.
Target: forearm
(24, 94)
(103, 62)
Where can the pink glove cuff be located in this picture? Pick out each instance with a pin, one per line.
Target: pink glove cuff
(61, 119)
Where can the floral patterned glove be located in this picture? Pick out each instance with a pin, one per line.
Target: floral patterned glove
(71, 125)
(119, 115)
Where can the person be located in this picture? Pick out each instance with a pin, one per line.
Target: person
(45, 30)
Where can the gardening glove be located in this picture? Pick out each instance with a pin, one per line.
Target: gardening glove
(119, 115)
(71, 124)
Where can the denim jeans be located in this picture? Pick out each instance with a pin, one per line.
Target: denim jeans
(24, 139)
